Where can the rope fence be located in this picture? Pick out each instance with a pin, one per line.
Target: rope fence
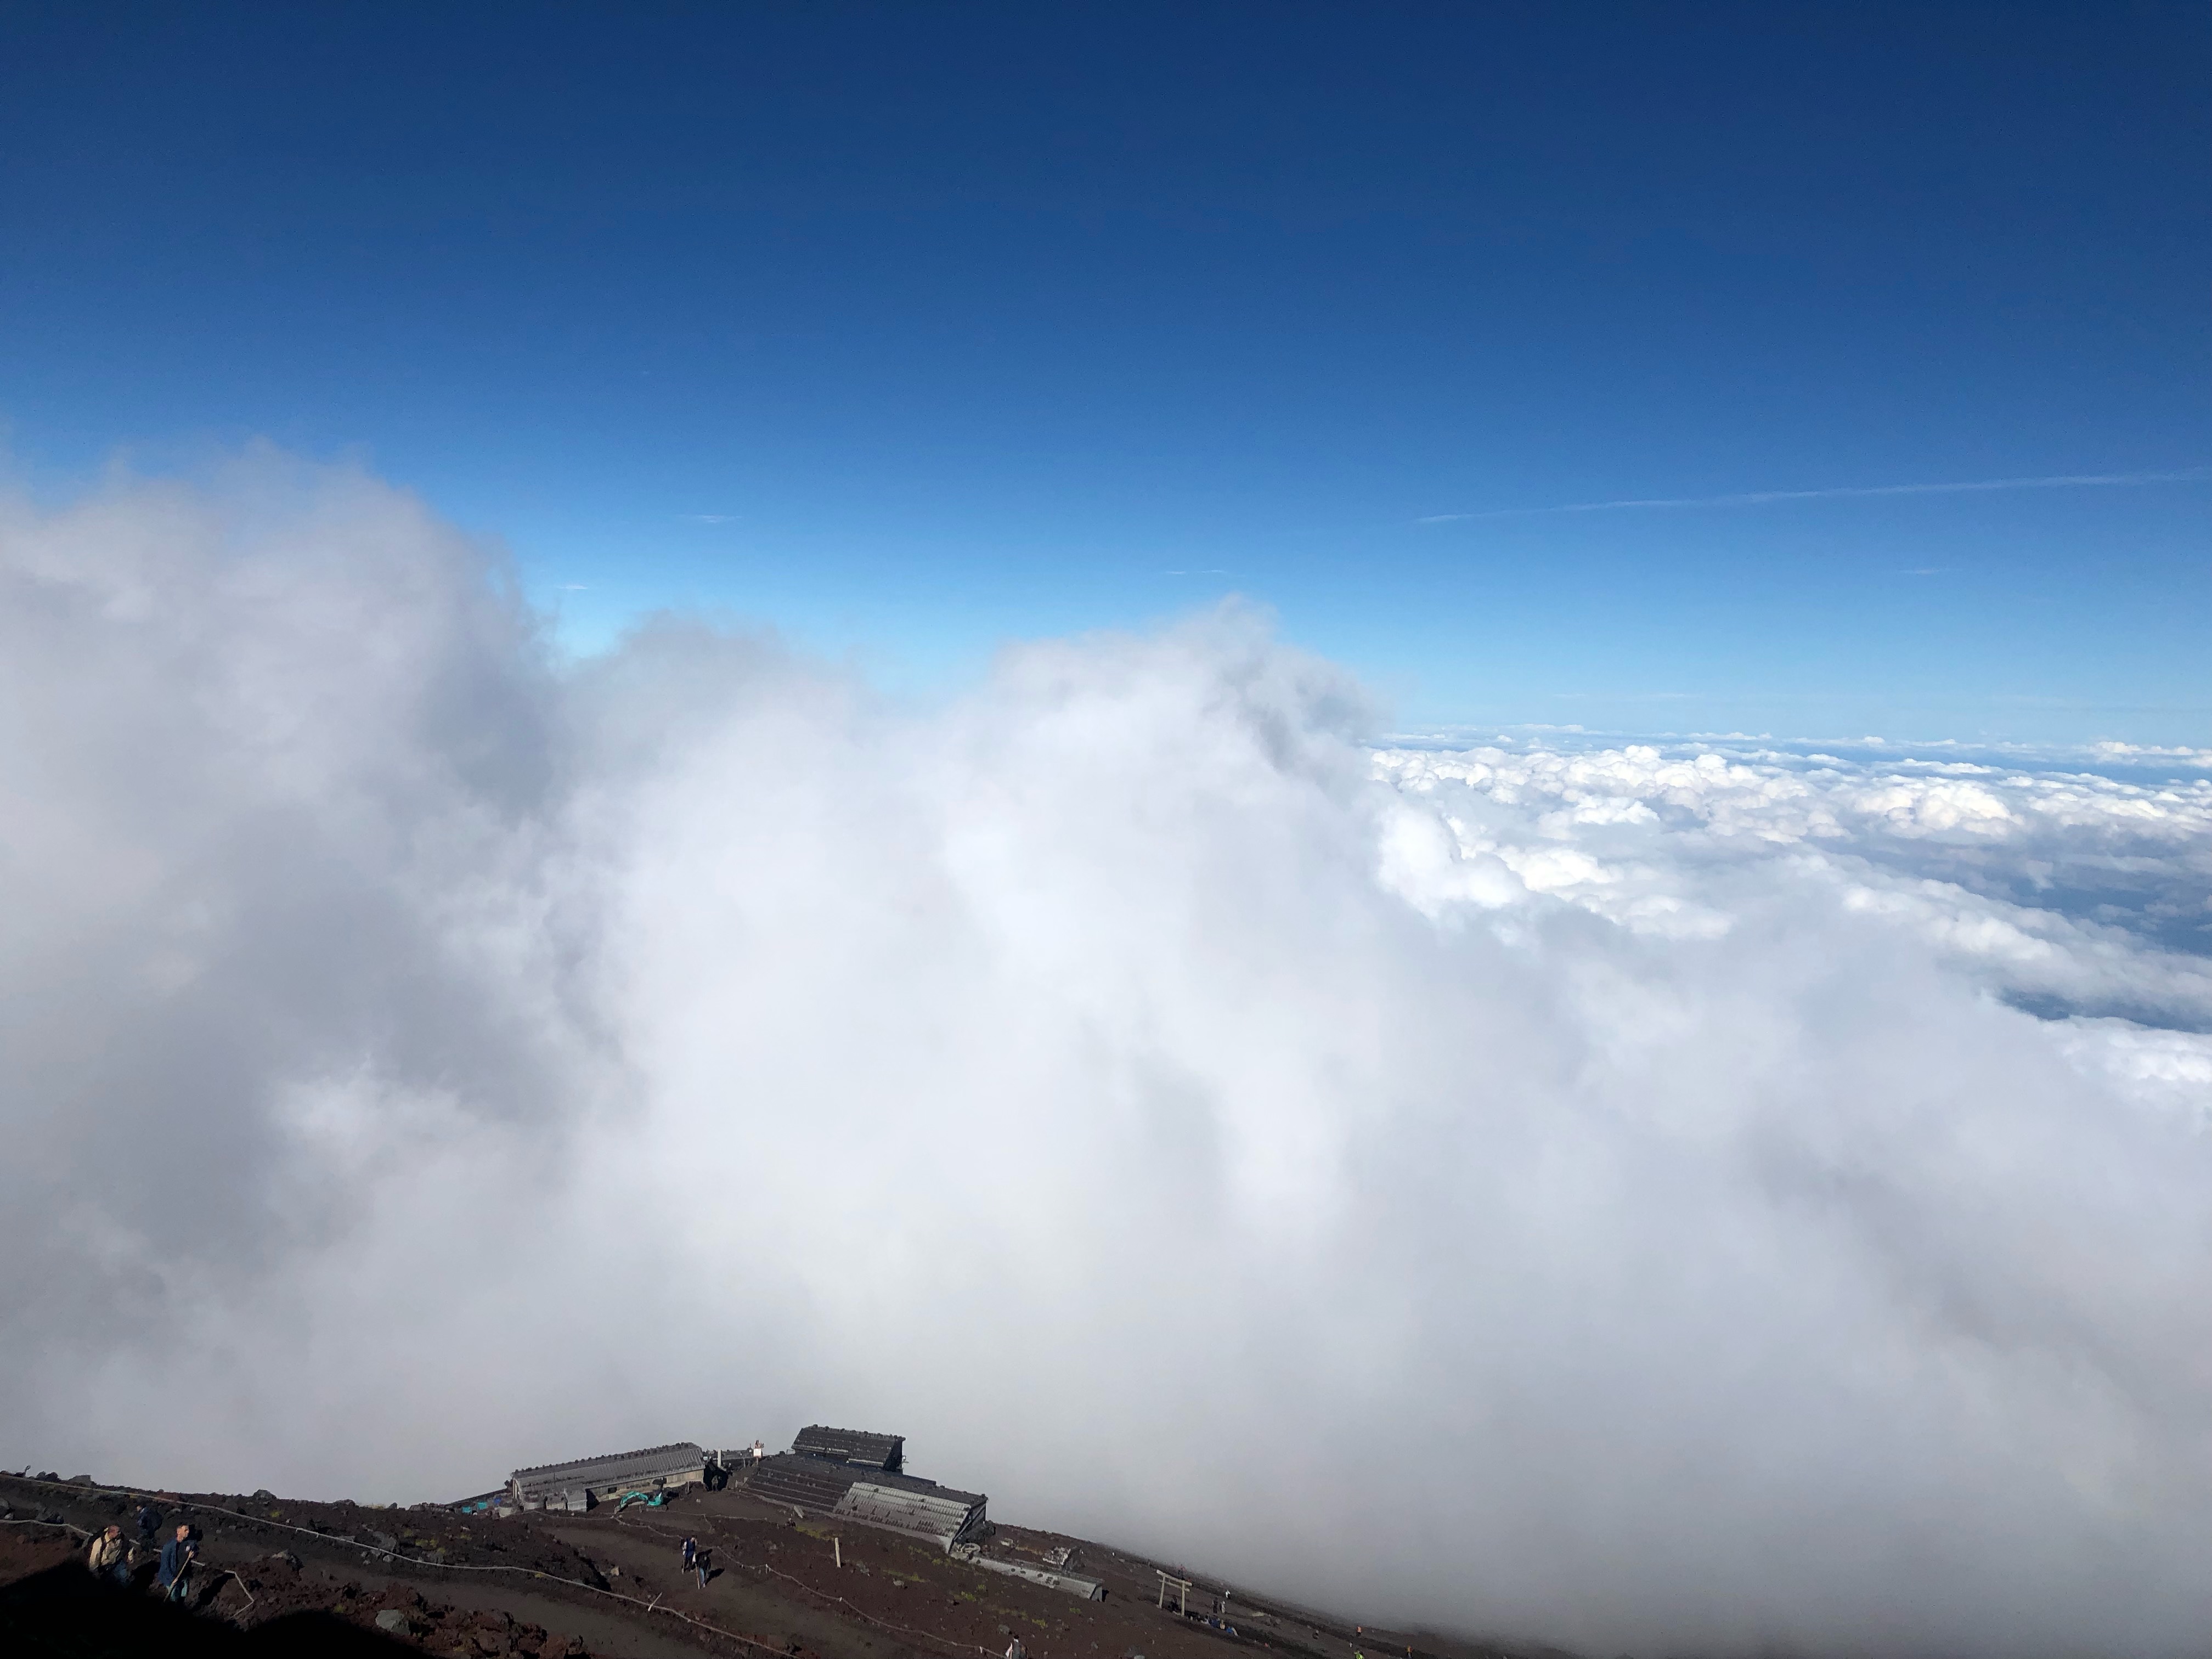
(885, 1623)
(411, 1560)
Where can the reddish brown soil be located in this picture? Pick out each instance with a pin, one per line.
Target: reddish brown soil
(614, 1584)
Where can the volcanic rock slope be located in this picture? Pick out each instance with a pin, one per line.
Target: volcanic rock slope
(284, 1576)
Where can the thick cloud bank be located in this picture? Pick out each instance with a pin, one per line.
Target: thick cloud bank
(1667, 1197)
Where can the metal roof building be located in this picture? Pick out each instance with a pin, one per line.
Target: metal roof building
(572, 1486)
(861, 1447)
(808, 1483)
(935, 1512)
(880, 1499)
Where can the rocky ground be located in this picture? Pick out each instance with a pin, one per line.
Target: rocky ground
(280, 1576)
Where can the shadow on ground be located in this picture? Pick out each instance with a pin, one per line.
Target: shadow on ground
(66, 1611)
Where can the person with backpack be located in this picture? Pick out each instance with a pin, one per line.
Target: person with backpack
(110, 1557)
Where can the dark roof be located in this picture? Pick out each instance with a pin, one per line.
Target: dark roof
(815, 1484)
(809, 1482)
(857, 1446)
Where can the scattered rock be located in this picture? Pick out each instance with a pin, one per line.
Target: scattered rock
(395, 1621)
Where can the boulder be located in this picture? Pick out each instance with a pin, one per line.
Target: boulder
(395, 1621)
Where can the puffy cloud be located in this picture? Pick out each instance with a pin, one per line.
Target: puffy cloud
(1660, 1196)
(2064, 889)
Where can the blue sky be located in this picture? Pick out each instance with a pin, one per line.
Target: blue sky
(909, 330)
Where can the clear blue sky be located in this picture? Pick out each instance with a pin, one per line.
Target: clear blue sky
(910, 328)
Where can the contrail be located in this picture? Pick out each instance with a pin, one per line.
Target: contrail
(1760, 497)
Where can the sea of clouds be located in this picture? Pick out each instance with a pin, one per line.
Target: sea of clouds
(1652, 1196)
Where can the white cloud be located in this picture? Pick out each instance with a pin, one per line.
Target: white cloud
(1654, 1196)
(1768, 497)
(2044, 884)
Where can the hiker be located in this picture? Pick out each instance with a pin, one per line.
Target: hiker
(760, 1452)
(699, 1562)
(148, 1524)
(690, 1553)
(110, 1557)
(176, 1565)
(1015, 1650)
